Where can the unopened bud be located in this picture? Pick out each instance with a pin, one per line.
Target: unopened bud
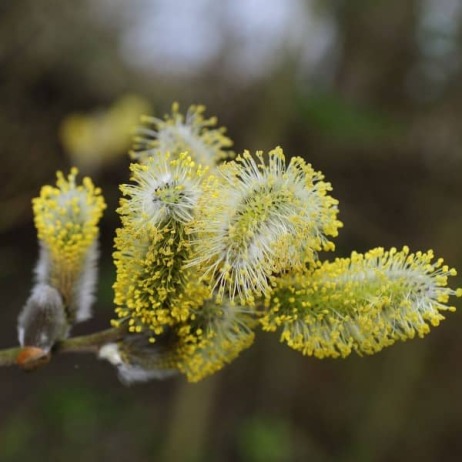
(42, 321)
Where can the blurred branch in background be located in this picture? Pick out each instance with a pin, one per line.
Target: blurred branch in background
(95, 139)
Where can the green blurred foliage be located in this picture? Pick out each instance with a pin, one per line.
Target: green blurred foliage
(264, 440)
(346, 123)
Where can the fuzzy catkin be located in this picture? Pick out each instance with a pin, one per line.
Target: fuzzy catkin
(363, 303)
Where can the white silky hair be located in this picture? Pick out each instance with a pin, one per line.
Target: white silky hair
(129, 374)
(110, 352)
(132, 373)
(83, 293)
(84, 290)
(43, 267)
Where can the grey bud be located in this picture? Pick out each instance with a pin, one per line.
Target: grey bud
(42, 321)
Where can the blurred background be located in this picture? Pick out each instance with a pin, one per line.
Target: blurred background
(370, 92)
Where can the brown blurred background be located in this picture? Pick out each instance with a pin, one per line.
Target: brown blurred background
(370, 92)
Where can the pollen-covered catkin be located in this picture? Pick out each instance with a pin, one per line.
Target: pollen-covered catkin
(66, 218)
(259, 217)
(215, 335)
(362, 303)
(153, 244)
(177, 133)
(165, 190)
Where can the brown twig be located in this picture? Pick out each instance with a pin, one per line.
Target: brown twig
(81, 344)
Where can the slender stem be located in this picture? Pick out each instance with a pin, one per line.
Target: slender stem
(8, 356)
(81, 344)
(92, 342)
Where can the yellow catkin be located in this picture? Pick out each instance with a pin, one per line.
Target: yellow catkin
(212, 336)
(362, 303)
(153, 244)
(259, 217)
(92, 139)
(66, 218)
(151, 278)
(216, 334)
(176, 133)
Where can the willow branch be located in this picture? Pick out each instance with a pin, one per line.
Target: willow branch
(8, 356)
(81, 344)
